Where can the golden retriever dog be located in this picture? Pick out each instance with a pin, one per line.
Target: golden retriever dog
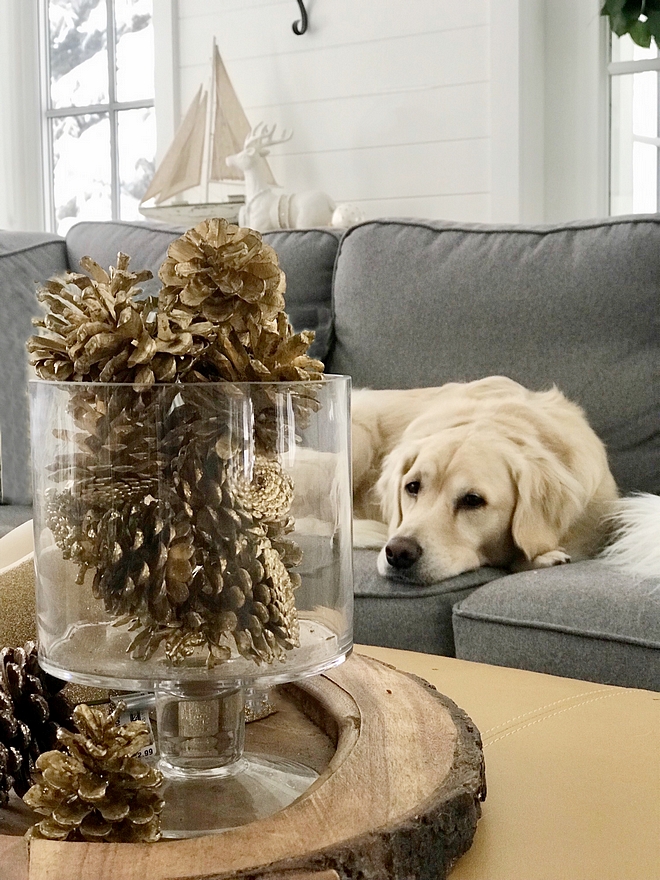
(477, 473)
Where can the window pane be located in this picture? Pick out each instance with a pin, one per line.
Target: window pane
(81, 174)
(645, 103)
(645, 178)
(634, 155)
(135, 49)
(78, 53)
(623, 49)
(136, 136)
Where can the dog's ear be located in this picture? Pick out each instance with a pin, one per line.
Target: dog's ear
(388, 486)
(550, 498)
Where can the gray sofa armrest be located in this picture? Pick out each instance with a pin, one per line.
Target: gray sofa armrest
(26, 260)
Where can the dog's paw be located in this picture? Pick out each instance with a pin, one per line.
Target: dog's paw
(552, 557)
(368, 534)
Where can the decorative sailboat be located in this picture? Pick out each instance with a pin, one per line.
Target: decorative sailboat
(193, 172)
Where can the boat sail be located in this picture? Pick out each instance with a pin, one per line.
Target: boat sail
(215, 126)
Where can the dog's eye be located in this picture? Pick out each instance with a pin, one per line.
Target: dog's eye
(412, 488)
(471, 500)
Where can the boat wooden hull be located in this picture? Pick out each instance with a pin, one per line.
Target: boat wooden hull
(190, 215)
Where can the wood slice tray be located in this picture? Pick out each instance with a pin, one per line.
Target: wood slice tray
(402, 778)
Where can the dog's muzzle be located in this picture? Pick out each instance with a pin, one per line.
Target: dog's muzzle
(402, 552)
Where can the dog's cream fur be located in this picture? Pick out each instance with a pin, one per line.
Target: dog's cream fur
(481, 473)
(635, 545)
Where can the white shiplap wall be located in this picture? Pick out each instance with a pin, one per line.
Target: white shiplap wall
(389, 100)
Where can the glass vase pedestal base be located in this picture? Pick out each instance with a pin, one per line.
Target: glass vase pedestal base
(210, 783)
(250, 789)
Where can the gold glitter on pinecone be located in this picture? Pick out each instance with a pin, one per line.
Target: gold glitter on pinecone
(97, 331)
(95, 789)
(32, 709)
(229, 276)
(187, 549)
(266, 493)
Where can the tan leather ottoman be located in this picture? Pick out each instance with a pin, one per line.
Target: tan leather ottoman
(573, 772)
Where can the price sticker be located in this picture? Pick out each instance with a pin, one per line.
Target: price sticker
(138, 714)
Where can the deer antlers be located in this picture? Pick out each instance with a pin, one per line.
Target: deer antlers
(261, 137)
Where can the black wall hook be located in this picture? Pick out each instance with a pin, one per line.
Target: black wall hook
(299, 27)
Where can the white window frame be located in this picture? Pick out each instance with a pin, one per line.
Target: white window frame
(113, 107)
(618, 68)
(549, 111)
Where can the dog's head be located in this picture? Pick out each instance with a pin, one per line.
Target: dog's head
(463, 498)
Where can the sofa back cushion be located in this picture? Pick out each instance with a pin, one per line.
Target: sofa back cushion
(145, 243)
(26, 260)
(422, 303)
(307, 257)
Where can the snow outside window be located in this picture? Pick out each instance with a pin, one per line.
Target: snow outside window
(634, 134)
(99, 108)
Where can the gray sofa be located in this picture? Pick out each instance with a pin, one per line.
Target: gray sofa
(406, 303)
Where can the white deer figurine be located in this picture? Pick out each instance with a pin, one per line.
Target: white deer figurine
(266, 209)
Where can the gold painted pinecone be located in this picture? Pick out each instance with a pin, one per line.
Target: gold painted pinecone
(97, 330)
(230, 277)
(266, 493)
(225, 273)
(95, 788)
(32, 709)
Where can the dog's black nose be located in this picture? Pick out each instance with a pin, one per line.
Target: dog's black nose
(402, 552)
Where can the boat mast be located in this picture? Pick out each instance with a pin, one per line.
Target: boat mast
(210, 128)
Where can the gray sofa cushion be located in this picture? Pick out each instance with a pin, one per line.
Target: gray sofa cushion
(12, 515)
(26, 260)
(586, 620)
(307, 257)
(145, 243)
(395, 614)
(421, 303)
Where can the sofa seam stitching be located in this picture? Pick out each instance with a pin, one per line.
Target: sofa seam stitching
(502, 725)
(33, 247)
(314, 229)
(507, 230)
(425, 592)
(123, 224)
(607, 696)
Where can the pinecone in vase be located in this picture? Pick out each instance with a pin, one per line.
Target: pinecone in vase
(179, 550)
(32, 710)
(95, 788)
(228, 275)
(98, 330)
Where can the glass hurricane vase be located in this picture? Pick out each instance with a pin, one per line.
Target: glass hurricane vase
(195, 540)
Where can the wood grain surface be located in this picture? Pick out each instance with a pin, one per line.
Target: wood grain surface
(402, 777)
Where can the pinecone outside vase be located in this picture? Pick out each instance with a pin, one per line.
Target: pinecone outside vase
(95, 788)
(32, 711)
